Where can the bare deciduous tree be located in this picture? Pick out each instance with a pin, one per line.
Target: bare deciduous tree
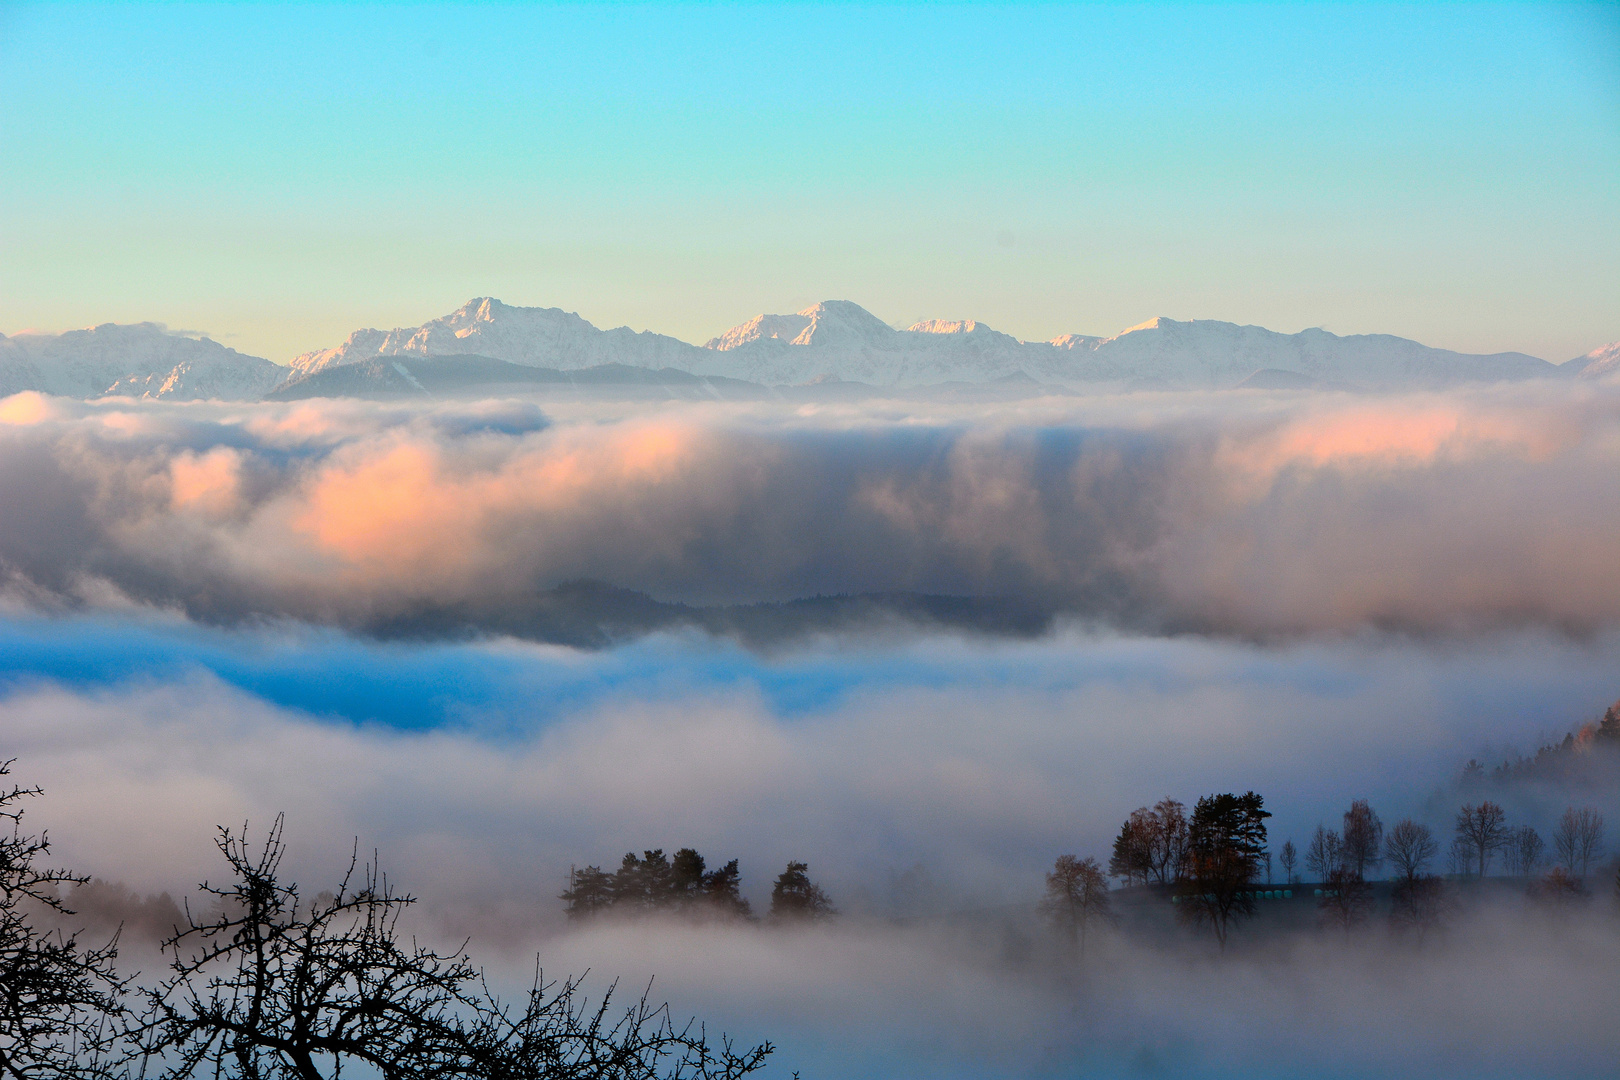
(1418, 899)
(1524, 848)
(1409, 846)
(1288, 857)
(275, 988)
(1578, 839)
(1346, 898)
(1076, 896)
(1135, 848)
(1152, 844)
(1481, 831)
(58, 999)
(1363, 839)
(1325, 854)
(1170, 847)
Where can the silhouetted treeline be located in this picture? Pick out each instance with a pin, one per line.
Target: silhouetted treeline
(1215, 863)
(1587, 757)
(684, 886)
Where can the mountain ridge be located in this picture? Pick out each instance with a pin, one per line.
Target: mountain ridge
(843, 340)
(838, 339)
(833, 342)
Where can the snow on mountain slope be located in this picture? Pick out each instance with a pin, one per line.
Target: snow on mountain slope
(783, 327)
(838, 339)
(533, 337)
(1602, 363)
(138, 360)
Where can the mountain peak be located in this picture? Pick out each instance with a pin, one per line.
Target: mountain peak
(829, 322)
(482, 308)
(1158, 322)
(839, 318)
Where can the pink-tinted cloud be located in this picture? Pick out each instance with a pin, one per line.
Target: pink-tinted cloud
(1246, 514)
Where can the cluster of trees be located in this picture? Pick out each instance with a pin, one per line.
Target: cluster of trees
(1482, 833)
(1214, 859)
(271, 986)
(1342, 859)
(684, 886)
(1211, 858)
(1152, 845)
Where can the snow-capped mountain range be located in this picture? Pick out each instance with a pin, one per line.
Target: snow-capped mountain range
(834, 341)
(840, 340)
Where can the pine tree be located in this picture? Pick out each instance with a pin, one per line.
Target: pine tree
(1226, 841)
(796, 897)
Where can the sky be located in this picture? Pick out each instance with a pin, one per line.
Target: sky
(279, 175)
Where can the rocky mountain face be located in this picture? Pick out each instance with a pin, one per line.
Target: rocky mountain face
(140, 360)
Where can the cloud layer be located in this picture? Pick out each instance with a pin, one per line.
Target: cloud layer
(1247, 515)
(981, 780)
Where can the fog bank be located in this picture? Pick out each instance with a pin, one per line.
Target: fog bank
(1255, 515)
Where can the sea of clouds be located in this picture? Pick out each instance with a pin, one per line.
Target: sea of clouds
(1246, 515)
(210, 612)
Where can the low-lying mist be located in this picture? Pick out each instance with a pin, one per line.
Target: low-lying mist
(1508, 989)
(1504, 985)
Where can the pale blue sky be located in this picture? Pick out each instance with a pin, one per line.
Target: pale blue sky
(278, 175)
